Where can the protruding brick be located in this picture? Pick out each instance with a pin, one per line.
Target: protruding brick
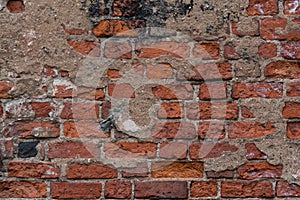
(253, 153)
(91, 171)
(119, 50)
(211, 130)
(173, 150)
(118, 189)
(213, 91)
(33, 170)
(283, 69)
(293, 89)
(265, 90)
(204, 189)
(262, 189)
(290, 50)
(267, 50)
(159, 71)
(22, 189)
(15, 6)
(121, 91)
(293, 130)
(196, 111)
(86, 48)
(220, 174)
(161, 189)
(284, 189)
(171, 130)
(177, 170)
(291, 110)
(210, 150)
(256, 170)
(249, 129)
(170, 111)
(291, 7)
(207, 51)
(78, 190)
(173, 92)
(83, 130)
(262, 7)
(80, 110)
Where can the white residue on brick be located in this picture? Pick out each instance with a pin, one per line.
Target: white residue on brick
(18, 108)
(260, 8)
(61, 82)
(293, 6)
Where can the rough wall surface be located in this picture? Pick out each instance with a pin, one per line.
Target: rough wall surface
(142, 99)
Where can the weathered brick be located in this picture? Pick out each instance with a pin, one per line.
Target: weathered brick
(196, 111)
(170, 111)
(119, 50)
(210, 91)
(249, 129)
(33, 170)
(6, 149)
(80, 110)
(50, 71)
(291, 7)
(211, 130)
(290, 50)
(32, 129)
(74, 31)
(83, 130)
(171, 130)
(293, 89)
(204, 189)
(91, 171)
(220, 174)
(284, 189)
(267, 50)
(159, 71)
(126, 8)
(42, 109)
(248, 27)
(73, 150)
(283, 69)
(161, 189)
(78, 190)
(256, 170)
(173, 92)
(210, 150)
(108, 28)
(141, 170)
(27, 149)
(130, 150)
(121, 91)
(265, 90)
(1, 110)
(15, 6)
(177, 170)
(207, 51)
(173, 150)
(246, 113)
(113, 73)
(65, 91)
(253, 153)
(22, 189)
(230, 52)
(291, 110)
(86, 48)
(118, 189)
(262, 7)
(262, 189)
(293, 130)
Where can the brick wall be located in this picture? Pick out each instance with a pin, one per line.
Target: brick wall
(157, 113)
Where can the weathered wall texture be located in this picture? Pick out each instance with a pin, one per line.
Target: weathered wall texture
(144, 99)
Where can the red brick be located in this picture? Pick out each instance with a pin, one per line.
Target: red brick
(291, 7)
(118, 189)
(283, 69)
(230, 52)
(220, 174)
(64, 91)
(177, 170)
(161, 189)
(90, 93)
(211, 130)
(249, 129)
(246, 113)
(249, 27)
(73, 150)
(270, 27)
(159, 71)
(86, 48)
(293, 130)
(118, 50)
(1, 110)
(33, 170)
(291, 110)
(6, 149)
(42, 109)
(253, 153)
(35, 129)
(284, 189)
(207, 51)
(130, 150)
(204, 189)
(256, 170)
(265, 90)
(80, 110)
(213, 91)
(78, 190)
(173, 150)
(173, 92)
(74, 31)
(108, 28)
(83, 130)
(158, 49)
(15, 6)
(290, 50)
(170, 111)
(50, 71)
(105, 109)
(5, 87)
(126, 8)
(267, 50)
(171, 130)
(262, 189)
(113, 73)
(141, 170)
(64, 73)
(22, 189)
(91, 171)
(262, 7)
(293, 89)
(196, 111)
(121, 91)
(210, 150)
